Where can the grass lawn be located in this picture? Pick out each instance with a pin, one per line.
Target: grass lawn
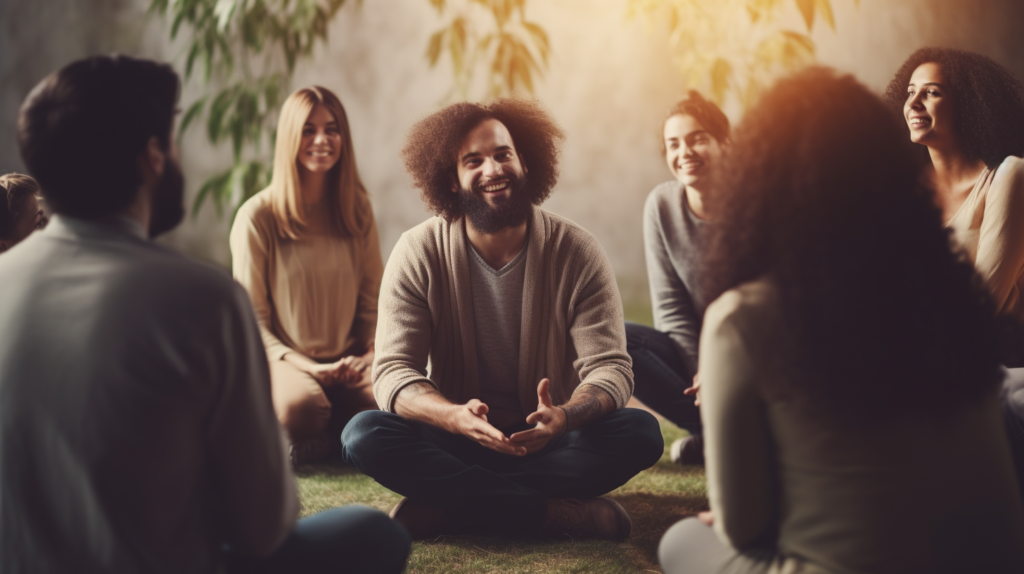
(655, 499)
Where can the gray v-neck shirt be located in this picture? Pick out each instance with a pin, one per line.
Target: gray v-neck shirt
(498, 315)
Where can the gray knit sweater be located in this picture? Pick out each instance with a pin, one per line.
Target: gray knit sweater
(674, 239)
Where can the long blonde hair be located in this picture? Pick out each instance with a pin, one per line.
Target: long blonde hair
(347, 200)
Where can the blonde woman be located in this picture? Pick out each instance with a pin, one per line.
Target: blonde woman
(306, 250)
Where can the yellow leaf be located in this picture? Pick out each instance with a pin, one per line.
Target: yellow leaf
(721, 72)
(807, 11)
(825, 9)
(434, 47)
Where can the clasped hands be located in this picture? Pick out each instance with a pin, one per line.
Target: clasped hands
(549, 422)
(348, 371)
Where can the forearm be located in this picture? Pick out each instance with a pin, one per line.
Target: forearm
(299, 361)
(586, 405)
(423, 403)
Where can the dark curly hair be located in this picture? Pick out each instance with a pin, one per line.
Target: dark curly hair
(989, 102)
(433, 144)
(821, 194)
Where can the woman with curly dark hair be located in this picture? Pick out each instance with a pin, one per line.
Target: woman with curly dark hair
(967, 111)
(849, 372)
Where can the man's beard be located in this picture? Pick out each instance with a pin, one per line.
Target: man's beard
(507, 212)
(168, 207)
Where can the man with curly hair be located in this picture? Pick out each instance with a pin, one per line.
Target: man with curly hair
(501, 365)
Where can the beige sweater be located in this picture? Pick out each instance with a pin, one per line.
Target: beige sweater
(316, 295)
(572, 325)
(934, 496)
(990, 228)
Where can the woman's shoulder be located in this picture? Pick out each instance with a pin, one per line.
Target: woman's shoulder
(1012, 169)
(256, 207)
(1006, 191)
(754, 304)
(663, 197)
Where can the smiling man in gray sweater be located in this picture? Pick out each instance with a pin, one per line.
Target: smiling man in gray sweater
(501, 368)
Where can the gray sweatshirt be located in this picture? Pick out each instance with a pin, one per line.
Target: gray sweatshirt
(673, 241)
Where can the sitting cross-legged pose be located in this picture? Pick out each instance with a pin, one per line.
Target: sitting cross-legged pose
(676, 230)
(306, 250)
(501, 366)
(20, 211)
(966, 112)
(136, 426)
(850, 372)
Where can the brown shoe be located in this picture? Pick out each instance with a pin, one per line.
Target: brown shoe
(321, 448)
(598, 518)
(426, 522)
(689, 450)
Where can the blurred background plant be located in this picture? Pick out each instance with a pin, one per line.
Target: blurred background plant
(245, 52)
(731, 50)
(490, 41)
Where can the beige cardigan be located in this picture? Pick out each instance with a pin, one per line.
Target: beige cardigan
(572, 324)
(990, 228)
(316, 295)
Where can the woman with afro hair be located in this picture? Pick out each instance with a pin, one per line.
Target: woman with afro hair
(967, 114)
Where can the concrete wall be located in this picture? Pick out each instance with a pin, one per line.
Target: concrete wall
(609, 82)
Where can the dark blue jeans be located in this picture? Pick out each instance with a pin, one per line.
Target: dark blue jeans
(501, 493)
(660, 376)
(350, 539)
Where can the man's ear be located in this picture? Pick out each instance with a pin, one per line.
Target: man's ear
(455, 184)
(152, 160)
(3, 246)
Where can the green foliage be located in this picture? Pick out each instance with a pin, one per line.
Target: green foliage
(246, 51)
(493, 37)
(735, 47)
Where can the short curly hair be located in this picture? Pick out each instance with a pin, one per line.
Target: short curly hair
(989, 108)
(433, 144)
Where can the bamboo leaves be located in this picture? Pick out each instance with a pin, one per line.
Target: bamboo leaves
(507, 54)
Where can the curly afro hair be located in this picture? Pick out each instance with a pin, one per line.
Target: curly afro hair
(989, 101)
(433, 144)
(822, 193)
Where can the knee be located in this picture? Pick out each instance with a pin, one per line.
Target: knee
(645, 436)
(1013, 392)
(352, 539)
(673, 549)
(634, 335)
(306, 417)
(361, 437)
(390, 541)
